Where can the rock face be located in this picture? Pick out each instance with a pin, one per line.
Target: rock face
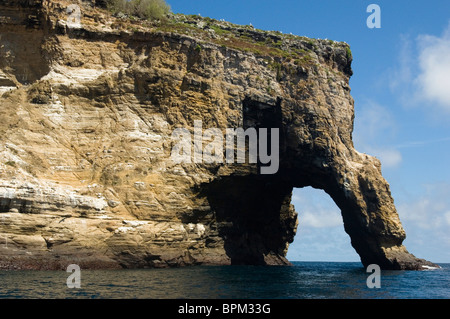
(87, 116)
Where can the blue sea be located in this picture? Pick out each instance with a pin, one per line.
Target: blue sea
(303, 280)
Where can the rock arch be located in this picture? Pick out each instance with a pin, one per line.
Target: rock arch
(254, 213)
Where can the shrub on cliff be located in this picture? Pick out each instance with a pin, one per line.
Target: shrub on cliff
(116, 6)
(146, 9)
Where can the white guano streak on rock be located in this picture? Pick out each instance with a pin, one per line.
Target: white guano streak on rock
(49, 193)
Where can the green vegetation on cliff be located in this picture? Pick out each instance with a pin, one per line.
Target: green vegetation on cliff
(290, 51)
(144, 9)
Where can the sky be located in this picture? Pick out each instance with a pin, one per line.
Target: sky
(401, 88)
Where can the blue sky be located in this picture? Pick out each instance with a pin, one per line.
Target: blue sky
(401, 87)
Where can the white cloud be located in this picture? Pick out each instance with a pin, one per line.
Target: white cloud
(420, 143)
(426, 219)
(430, 210)
(422, 74)
(320, 235)
(423, 212)
(318, 218)
(372, 119)
(316, 209)
(388, 157)
(434, 62)
(374, 125)
(403, 74)
(447, 217)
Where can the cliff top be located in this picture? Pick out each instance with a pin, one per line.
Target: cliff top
(299, 50)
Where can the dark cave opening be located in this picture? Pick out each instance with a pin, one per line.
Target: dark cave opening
(260, 115)
(254, 217)
(253, 212)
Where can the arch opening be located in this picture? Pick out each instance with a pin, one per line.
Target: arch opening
(320, 233)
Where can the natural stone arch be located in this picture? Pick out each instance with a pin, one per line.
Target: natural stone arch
(257, 221)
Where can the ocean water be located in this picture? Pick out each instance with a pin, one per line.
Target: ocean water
(303, 280)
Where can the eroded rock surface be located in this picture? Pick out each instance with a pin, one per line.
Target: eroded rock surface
(87, 116)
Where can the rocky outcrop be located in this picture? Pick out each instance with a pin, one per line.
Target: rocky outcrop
(88, 115)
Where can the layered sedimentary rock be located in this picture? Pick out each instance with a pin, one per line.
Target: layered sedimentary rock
(87, 115)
